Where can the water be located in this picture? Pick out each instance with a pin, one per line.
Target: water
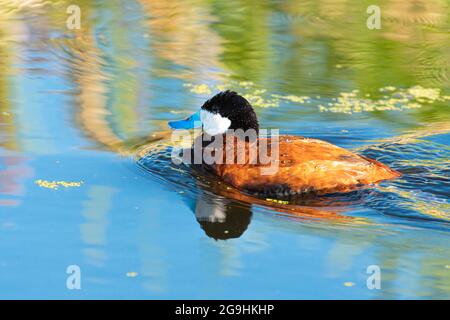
(78, 106)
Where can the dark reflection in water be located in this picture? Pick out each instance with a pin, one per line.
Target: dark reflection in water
(222, 218)
(225, 213)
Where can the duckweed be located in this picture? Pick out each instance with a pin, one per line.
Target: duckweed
(349, 284)
(198, 89)
(292, 98)
(395, 99)
(55, 184)
(258, 97)
(277, 201)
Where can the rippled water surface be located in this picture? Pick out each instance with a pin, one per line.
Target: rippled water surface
(86, 176)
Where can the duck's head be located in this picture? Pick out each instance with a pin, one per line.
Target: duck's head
(226, 110)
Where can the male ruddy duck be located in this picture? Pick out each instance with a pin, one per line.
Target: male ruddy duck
(304, 166)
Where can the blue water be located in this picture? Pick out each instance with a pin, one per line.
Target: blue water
(78, 106)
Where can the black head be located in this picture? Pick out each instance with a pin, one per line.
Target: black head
(236, 108)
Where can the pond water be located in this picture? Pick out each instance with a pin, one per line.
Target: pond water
(77, 107)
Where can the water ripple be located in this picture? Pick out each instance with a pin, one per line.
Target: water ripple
(419, 197)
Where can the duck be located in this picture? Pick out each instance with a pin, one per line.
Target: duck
(304, 166)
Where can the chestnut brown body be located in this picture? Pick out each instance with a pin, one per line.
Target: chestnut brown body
(304, 165)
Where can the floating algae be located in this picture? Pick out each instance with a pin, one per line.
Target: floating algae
(277, 201)
(394, 100)
(349, 284)
(292, 98)
(55, 184)
(256, 96)
(198, 89)
(132, 274)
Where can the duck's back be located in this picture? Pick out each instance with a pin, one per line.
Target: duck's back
(304, 165)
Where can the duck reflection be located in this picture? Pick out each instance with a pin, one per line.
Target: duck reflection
(222, 218)
(225, 213)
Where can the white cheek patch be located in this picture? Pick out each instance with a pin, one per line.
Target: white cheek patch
(214, 123)
(212, 212)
